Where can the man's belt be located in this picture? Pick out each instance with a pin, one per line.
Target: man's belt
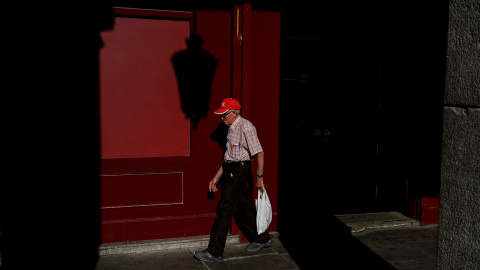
(235, 163)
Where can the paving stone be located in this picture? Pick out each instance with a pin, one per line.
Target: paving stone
(394, 247)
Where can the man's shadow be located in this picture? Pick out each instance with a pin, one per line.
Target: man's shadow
(219, 135)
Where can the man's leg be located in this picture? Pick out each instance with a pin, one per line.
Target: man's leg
(245, 214)
(230, 186)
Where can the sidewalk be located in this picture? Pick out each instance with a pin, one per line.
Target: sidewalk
(413, 248)
(365, 241)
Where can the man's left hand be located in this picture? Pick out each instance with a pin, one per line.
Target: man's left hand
(260, 183)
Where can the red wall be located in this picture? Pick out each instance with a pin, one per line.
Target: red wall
(140, 101)
(265, 95)
(164, 197)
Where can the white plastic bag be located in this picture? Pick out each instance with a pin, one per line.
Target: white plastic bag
(264, 211)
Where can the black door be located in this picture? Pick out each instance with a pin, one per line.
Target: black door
(328, 115)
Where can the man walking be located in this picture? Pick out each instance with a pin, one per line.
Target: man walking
(233, 175)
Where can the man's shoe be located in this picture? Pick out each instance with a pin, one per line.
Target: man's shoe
(257, 246)
(204, 255)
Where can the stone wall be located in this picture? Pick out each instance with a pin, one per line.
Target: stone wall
(459, 218)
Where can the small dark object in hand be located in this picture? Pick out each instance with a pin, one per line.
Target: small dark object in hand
(211, 195)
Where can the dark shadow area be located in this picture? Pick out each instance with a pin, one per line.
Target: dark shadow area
(321, 240)
(50, 200)
(328, 127)
(330, 161)
(413, 78)
(194, 68)
(360, 123)
(219, 135)
(329, 110)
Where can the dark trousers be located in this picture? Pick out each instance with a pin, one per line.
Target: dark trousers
(237, 202)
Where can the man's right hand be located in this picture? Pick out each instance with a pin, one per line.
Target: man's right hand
(213, 185)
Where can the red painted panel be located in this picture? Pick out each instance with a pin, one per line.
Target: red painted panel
(195, 215)
(247, 60)
(167, 228)
(237, 44)
(155, 228)
(153, 13)
(140, 106)
(429, 210)
(137, 190)
(113, 232)
(265, 95)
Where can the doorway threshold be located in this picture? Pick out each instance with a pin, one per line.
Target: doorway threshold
(373, 221)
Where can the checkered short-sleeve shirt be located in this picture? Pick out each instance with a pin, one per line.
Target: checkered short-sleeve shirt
(242, 141)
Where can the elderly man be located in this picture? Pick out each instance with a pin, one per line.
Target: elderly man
(234, 174)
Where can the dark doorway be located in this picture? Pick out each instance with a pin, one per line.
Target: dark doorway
(328, 116)
(328, 160)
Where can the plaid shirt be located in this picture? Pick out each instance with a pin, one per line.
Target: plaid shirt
(242, 141)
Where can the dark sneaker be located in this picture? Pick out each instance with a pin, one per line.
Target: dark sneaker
(204, 255)
(257, 246)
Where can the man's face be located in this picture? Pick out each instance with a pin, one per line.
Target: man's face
(229, 117)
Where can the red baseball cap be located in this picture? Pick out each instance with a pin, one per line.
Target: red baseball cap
(228, 104)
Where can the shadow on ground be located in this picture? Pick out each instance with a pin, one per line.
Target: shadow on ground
(327, 241)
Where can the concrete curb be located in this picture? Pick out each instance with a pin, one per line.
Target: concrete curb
(356, 222)
(157, 245)
(163, 244)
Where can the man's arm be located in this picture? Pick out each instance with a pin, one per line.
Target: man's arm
(212, 186)
(260, 165)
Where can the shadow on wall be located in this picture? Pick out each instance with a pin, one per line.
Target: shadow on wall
(50, 203)
(194, 68)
